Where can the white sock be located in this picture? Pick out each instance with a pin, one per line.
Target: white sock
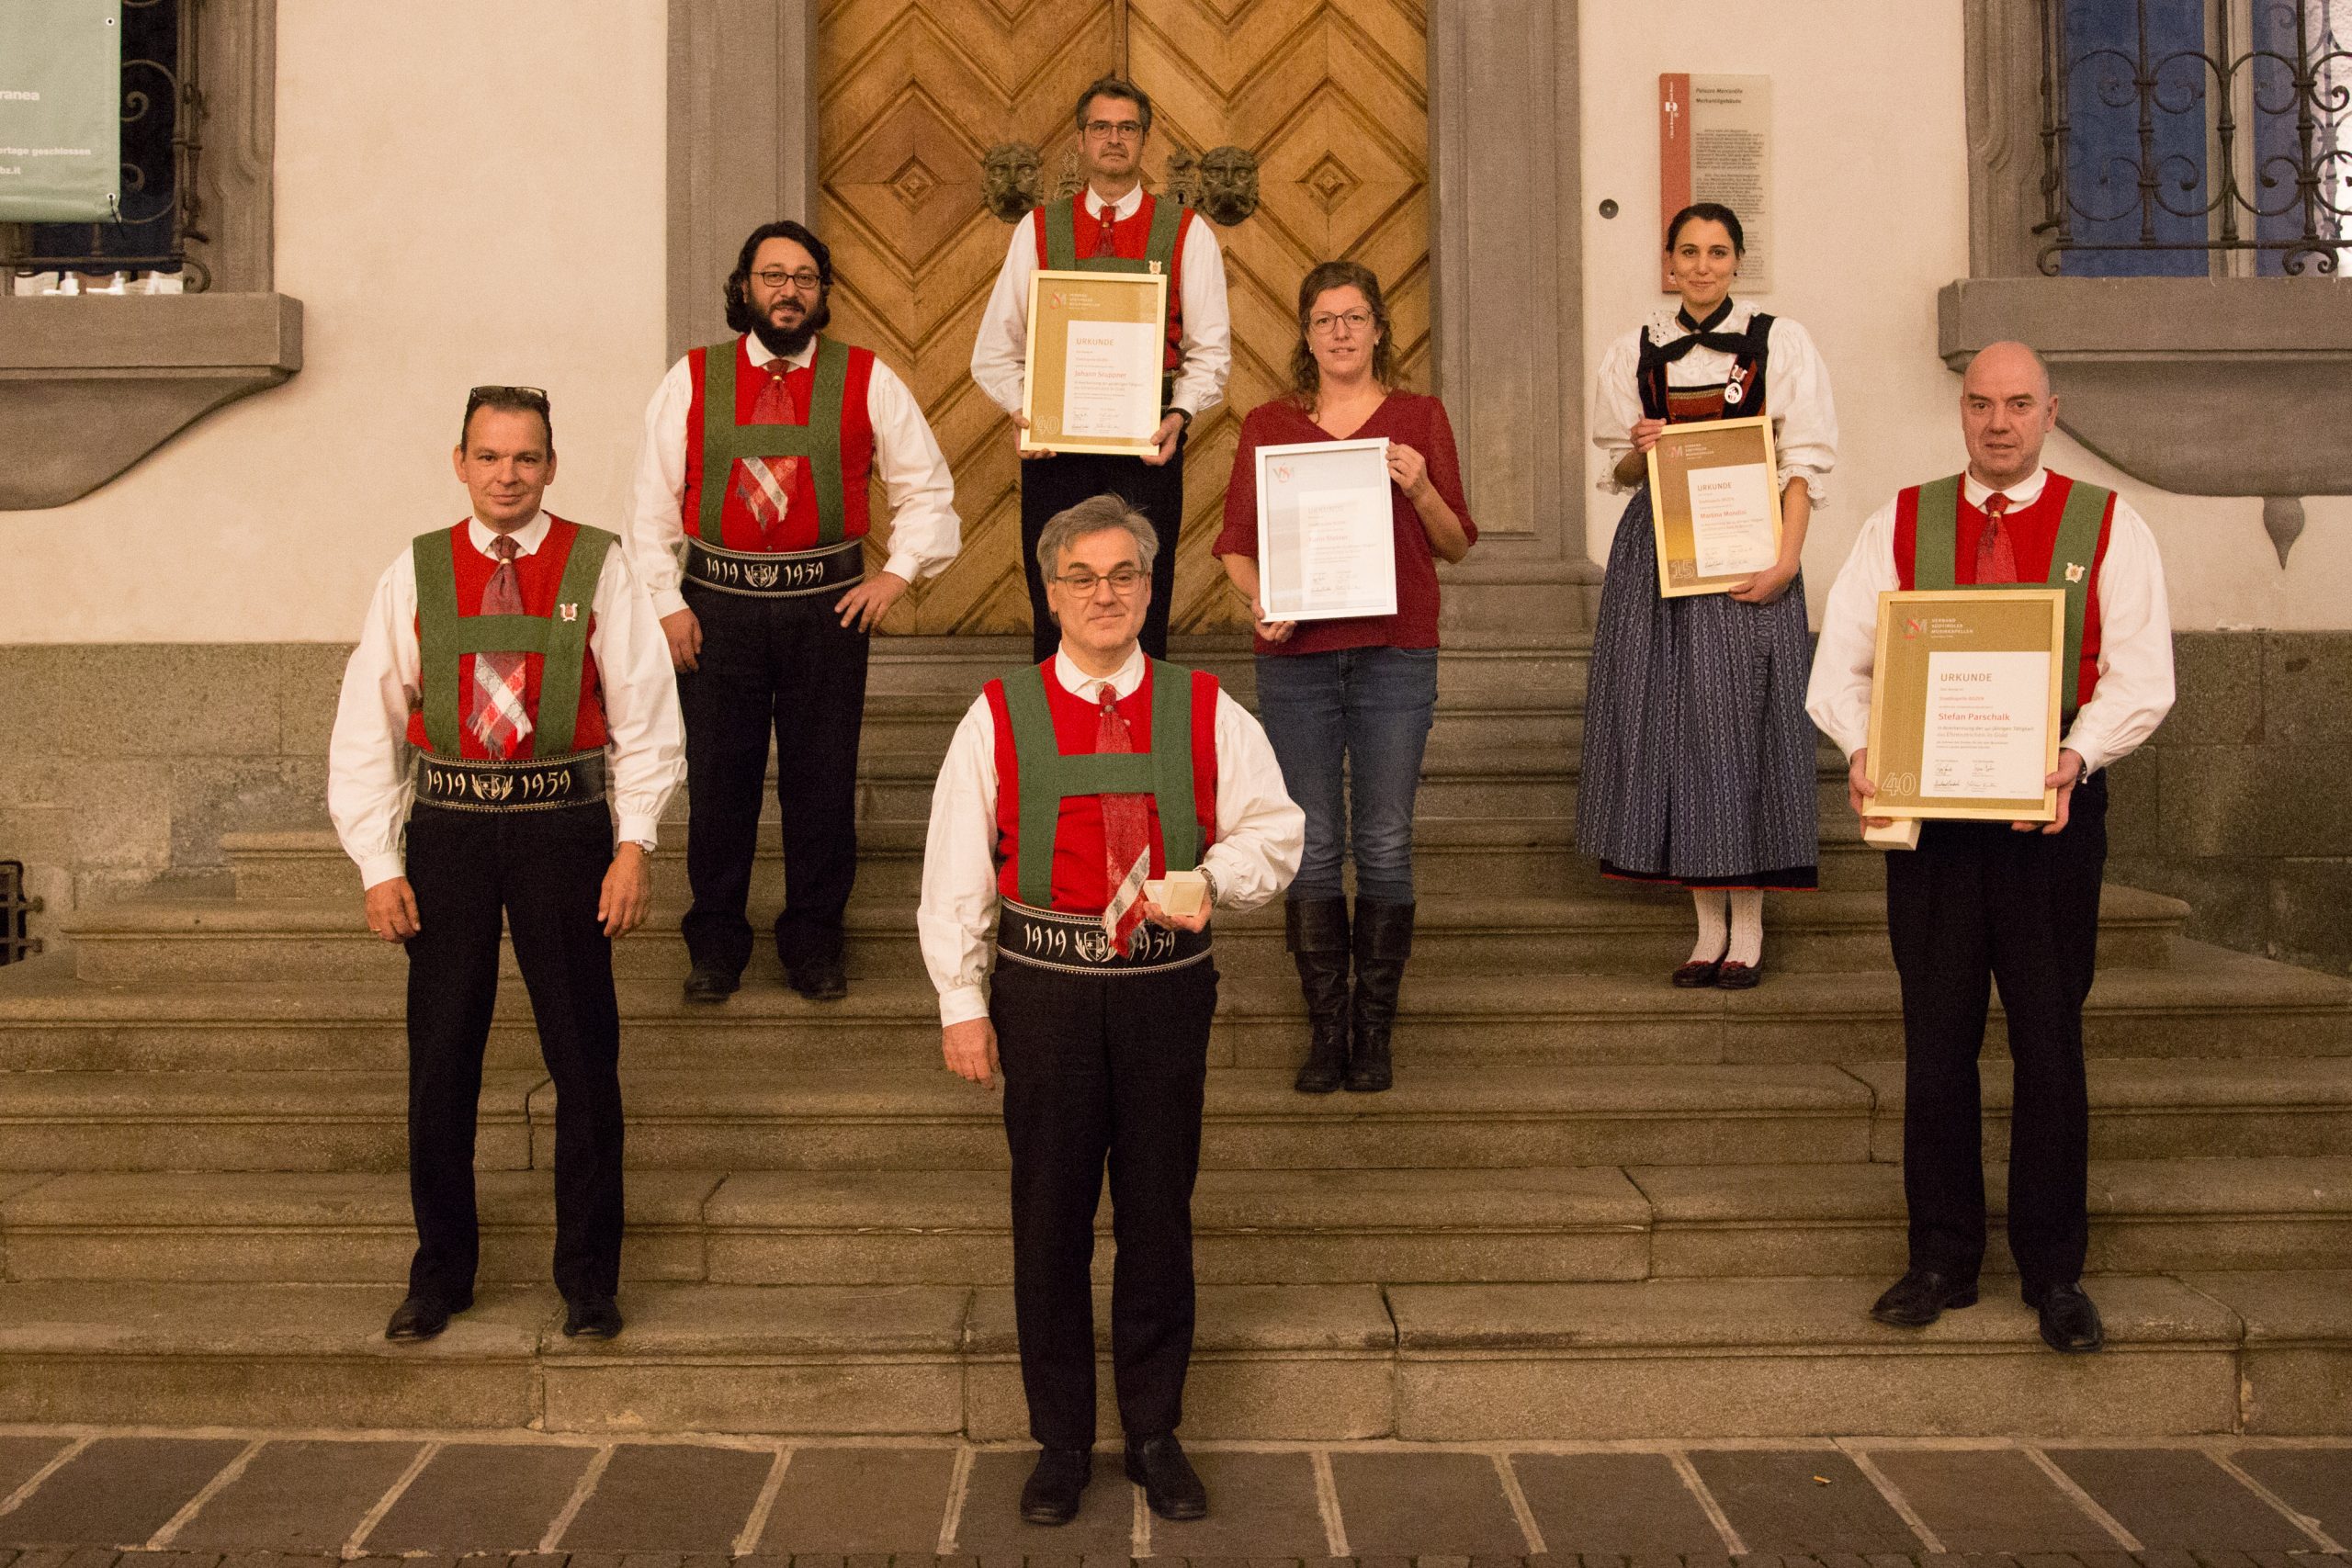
(1709, 901)
(1747, 927)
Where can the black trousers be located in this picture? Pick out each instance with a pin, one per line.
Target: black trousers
(1102, 1071)
(1054, 484)
(543, 870)
(1975, 903)
(786, 667)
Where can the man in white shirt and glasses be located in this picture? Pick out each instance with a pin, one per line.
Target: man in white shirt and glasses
(1067, 785)
(1112, 225)
(2016, 902)
(516, 661)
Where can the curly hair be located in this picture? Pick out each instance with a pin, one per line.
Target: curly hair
(738, 282)
(1306, 376)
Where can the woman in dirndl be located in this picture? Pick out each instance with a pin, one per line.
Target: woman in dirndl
(1698, 767)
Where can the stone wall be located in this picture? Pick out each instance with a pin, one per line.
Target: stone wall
(121, 765)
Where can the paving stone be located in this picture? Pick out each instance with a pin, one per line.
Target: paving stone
(1775, 1503)
(481, 1497)
(992, 1528)
(1633, 1504)
(2175, 1498)
(1439, 1501)
(1260, 1506)
(2210, 1558)
(1981, 1499)
(2317, 1481)
(668, 1496)
(119, 1491)
(21, 1458)
(860, 1500)
(299, 1496)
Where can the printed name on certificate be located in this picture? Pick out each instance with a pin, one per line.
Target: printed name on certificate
(1730, 519)
(1983, 738)
(1105, 392)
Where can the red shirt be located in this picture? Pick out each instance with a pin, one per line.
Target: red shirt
(1416, 421)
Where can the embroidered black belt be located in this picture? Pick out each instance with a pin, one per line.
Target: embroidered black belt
(1077, 945)
(785, 575)
(527, 784)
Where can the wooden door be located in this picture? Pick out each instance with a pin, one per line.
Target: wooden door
(1332, 100)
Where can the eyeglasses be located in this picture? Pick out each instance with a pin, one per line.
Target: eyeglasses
(1121, 579)
(803, 280)
(1323, 326)
(1122, 129)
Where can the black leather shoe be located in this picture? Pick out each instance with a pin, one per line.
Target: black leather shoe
(1050, 1495)
(820, 979)
(1736, 976)
(422, 1317)
(1697, 974)
(710, 984)
(1316, 932)
(591, 1317)
(1171, 1487)
(2070, 1324)
(1920, 1297)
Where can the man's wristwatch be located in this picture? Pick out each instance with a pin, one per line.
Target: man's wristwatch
(1183, 414)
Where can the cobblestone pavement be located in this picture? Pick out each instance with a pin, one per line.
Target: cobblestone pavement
(74, 1498)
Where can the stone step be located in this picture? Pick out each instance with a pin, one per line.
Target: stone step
(924, 1119)
(1606, 930)
(1543, 1223)
(1777, 1357)
(2205, 1001)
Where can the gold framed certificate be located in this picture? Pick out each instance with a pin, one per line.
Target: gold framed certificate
(1097, 347)
(1964, 704)
(1714, 505)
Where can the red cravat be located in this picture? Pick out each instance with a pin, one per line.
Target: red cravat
(764, 484)
(1127, 820)
(1996, 558)
(500, 718)
(1104, 244)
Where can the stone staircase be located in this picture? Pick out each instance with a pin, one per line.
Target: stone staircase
(1594, 1207)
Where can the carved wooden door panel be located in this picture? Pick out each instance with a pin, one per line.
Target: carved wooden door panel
(1330, 98)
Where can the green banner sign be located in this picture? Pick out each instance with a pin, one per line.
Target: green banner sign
(61, 110)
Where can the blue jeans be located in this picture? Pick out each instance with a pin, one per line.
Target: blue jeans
(1348, 728)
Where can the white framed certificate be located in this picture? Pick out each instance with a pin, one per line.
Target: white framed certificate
(1327, 531)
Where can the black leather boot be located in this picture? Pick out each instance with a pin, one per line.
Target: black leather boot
(1316, 932)
(1383, 940)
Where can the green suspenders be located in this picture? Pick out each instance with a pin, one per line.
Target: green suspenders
(444, 634)
(1049, 776)
(820, 440)
(2071, 556)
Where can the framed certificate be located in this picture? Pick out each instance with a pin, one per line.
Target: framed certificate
(1327, 531)
(1715, 503)
(1098, 342)
(1965, 703)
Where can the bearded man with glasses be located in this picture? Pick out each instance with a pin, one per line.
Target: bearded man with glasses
(1067, 785)
(748, 522)
(1114, 225)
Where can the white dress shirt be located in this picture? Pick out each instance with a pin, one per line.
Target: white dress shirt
(924, 530)
(1796, 394)
(999, 355)
(2134, 689)
(1260, 835)
(368, 758)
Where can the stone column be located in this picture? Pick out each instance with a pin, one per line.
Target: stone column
(1508, 310)
(742, 143)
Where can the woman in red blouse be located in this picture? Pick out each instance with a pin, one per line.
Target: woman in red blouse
(1348, 703)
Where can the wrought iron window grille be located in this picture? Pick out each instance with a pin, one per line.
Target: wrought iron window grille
(2242, 145)
(16, 908)
(161, 213)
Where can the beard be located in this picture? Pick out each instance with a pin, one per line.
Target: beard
(787, 342)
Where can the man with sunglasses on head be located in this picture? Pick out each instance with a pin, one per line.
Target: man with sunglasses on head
(1114, 225)
(518, 658)
(1067, 787)
(749, 522)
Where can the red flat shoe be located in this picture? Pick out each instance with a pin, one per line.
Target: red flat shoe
(1737, 976)
(1698, 975)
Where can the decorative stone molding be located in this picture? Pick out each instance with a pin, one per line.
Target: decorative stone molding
(90, 384)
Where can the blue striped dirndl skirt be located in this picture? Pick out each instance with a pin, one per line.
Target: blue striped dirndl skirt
(1698, 754)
